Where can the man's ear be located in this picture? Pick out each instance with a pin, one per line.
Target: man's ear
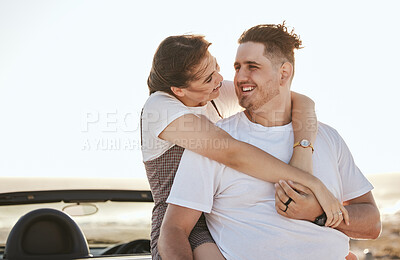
(286, 72)
(177, 91)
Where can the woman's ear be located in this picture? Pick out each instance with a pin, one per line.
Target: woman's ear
(286, 72)
(177, 91)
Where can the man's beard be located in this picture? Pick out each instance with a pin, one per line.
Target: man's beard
(253, 104)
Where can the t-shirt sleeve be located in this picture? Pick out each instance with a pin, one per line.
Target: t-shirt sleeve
(195, 182)
(159, 111)
(355, 184)
(227, 102)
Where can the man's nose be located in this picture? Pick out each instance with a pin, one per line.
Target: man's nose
(241, 75)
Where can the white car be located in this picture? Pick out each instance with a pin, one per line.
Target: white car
(75, 218)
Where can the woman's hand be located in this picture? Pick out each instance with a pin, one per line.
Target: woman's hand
(331, 206)
(304, 205)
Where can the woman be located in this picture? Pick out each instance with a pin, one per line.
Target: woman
(187, 96)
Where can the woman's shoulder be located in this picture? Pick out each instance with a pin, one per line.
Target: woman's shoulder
(160, 99)
(159, 95)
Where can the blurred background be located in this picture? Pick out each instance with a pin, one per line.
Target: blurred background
(73, 75)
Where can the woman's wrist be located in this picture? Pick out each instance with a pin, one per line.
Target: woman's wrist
(302, 159)
(315, 184)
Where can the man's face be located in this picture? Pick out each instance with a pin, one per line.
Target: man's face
(256, 79)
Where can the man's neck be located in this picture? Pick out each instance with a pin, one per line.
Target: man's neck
(277, 112)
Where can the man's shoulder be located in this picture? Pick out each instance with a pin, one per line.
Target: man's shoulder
(228, 84)
(329, 137)
(229, 122)
(227, 92)
(327, 130)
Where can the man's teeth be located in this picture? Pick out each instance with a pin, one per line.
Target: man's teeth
(245, 89)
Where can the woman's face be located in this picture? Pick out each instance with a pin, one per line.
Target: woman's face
(207, 87)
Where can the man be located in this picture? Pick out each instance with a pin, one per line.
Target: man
(240, 210)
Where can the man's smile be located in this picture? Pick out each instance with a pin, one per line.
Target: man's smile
(246, 87)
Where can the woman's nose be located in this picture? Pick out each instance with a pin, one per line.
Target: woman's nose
(219, 77)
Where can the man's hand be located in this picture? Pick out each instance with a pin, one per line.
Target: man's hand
(364, 214)
(304, 205)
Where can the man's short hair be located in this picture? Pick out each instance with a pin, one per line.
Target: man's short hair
(278, 41)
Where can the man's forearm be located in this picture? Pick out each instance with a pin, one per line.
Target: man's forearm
(365, 221)
(174, 244)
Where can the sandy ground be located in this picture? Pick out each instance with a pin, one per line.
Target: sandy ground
(387, 196)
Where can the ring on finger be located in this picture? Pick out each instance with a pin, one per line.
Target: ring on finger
(288, 202)
(286, 208)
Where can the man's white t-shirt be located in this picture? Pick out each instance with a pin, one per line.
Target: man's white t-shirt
(161, 109)
(240, 209)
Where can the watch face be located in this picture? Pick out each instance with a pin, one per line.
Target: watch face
(320, 220)
(304, 143)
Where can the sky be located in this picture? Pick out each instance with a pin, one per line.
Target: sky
(73, 75)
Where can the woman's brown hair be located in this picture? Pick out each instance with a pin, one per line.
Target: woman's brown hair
(175, 61)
